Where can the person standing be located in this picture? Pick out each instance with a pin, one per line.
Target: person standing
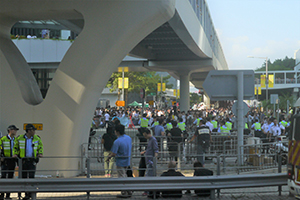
(121, 150)
(8, 163)
(203, 140)
(159, 132)
(151, 152)
(107, 140)
(29, 148)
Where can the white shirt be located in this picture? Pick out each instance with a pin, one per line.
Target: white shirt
(106, 117)
(276, 130)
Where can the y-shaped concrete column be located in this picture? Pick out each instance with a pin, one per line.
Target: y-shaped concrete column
(111, 30)
(184, 92)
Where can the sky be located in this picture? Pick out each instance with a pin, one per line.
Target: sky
(261, 28)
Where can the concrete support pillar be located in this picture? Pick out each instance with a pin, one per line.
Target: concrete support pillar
(184, 92)
(111, 30)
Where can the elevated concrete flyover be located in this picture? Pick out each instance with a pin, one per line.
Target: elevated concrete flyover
(172, 35)
(111, 29)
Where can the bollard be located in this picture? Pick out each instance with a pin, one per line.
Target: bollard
(154, 166)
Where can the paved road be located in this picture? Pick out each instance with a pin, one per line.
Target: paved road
(266, 193)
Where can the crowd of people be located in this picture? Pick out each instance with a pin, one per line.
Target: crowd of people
(177, 126)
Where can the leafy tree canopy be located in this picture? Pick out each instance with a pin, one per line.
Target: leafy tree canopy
(195, 98)
(279, 64)
(138, 80)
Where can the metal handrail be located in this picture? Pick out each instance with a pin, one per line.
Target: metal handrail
(142, 184)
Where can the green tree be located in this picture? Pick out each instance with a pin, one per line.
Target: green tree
(279, 64)
(195, 98)
(138, 80)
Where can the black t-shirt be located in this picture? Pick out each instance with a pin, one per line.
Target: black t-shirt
(108, 141)
(203, 172)
(176, 135)
(203, 136)
(174, 193)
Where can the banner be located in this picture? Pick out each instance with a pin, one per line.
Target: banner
(178, 93)
(164, 87)
(259, 90)
(271, 81)
(158, 87)
(263, 80)
(120, 83)
(255, 90)
(174, 92)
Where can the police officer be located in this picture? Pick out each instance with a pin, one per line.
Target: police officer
(29, 148)
(144, 121)
(203, 135)
(223, 129)
(8, 163)
(257, 128)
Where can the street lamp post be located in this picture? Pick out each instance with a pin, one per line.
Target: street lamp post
(267, 77)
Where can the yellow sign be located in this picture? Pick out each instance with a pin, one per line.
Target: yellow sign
(151, 103)
(174, 92)
(39, 127)
(120, 83)
(173, 103)
(158, 87)
(178, 93)
(263, 80)
(120, 69)
(271, 81)
(255, 91)
(259, 90)
(164, 87)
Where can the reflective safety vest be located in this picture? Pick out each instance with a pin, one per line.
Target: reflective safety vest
(257, 126)
(224, 130)
(181, 125)
(20, 146)
(283, 123)
(156, 123)
(5, 146)
(169, 126)
(228, 125)
(198, 121)
(144, 122)
(246, 126)
(215, 123)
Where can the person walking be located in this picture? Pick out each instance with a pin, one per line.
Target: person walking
(8, 163)
(121, 150)
(107, 140)
(28, 147)
(203, 140)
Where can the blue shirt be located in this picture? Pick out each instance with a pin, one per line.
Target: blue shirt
(29, 148)
(158, 129)
(122, 149)
(152, 148)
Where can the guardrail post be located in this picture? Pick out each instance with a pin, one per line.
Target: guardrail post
(88, 174)
(218, 172)
(279, 171)
(224, 165)
(19, 174)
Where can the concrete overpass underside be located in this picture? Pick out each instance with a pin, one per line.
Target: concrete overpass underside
(102, 44)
